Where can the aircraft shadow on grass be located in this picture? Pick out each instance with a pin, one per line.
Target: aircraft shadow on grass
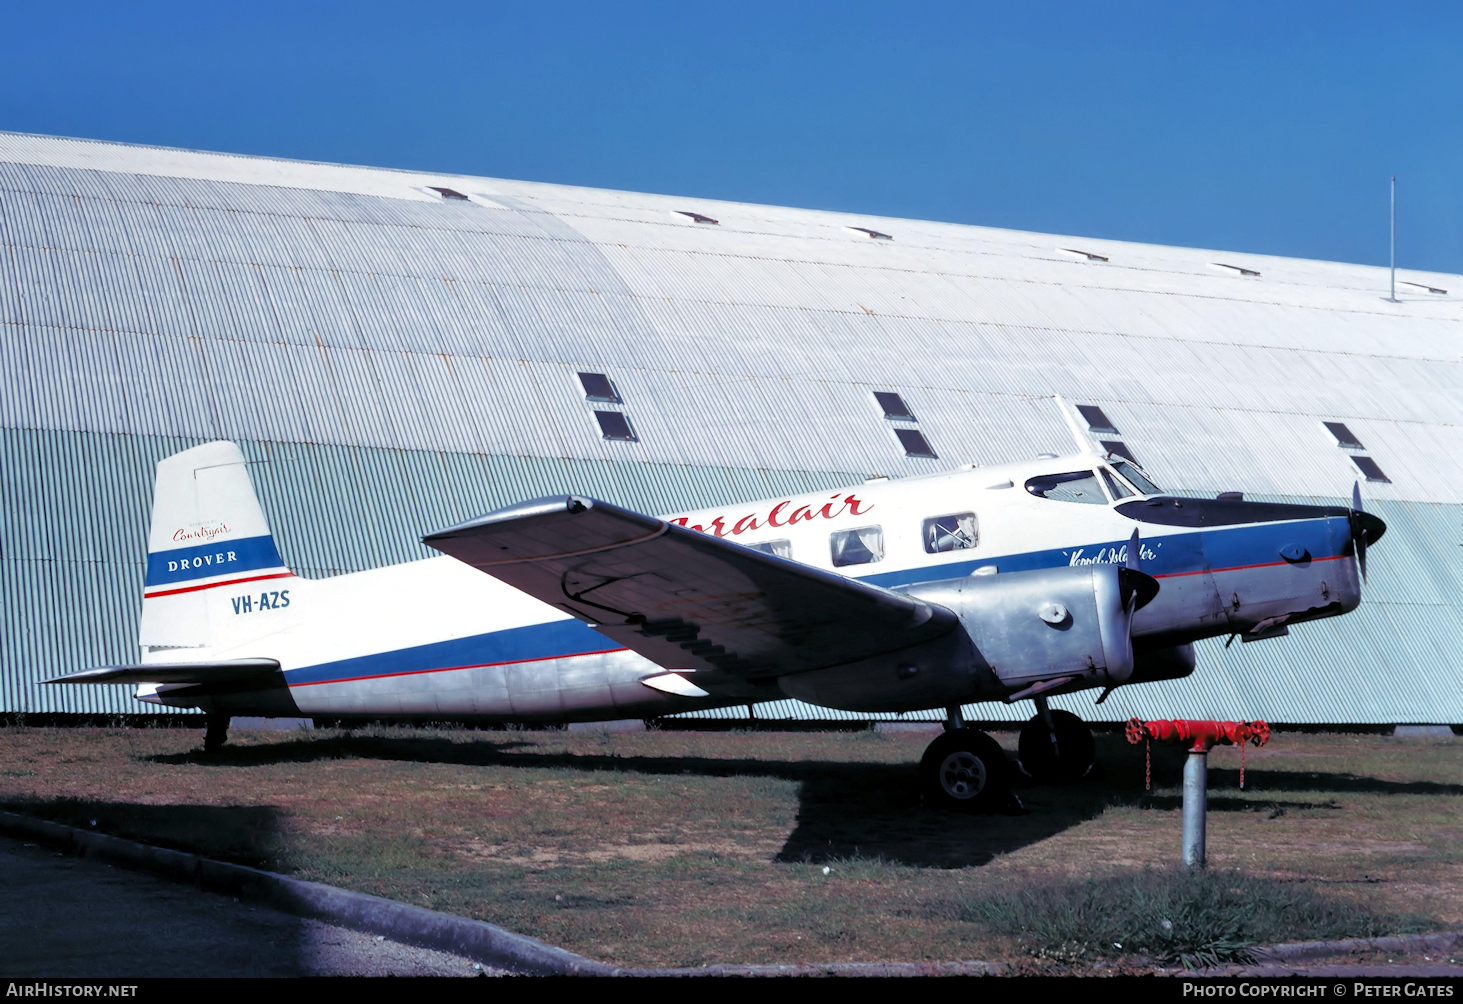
(870, 810)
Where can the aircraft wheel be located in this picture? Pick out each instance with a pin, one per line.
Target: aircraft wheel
(965, 770)
(1071, 758)
(215, 733)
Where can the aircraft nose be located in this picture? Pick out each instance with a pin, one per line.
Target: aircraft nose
(1365, 524)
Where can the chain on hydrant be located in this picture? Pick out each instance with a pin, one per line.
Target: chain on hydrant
(1200, 737)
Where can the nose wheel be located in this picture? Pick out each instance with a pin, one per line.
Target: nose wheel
(964, 770)
(1056, 747)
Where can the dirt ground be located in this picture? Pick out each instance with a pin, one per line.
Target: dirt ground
(667, 848)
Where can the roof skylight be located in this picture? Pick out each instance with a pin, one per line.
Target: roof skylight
(1344, 437)
(597, 387)
(1118, 448)
(694, 217)
(894, 407)
(914, 444)
(449, 193)
(614, 425)
(1370, 470)
(875, 234)
(1096, 418)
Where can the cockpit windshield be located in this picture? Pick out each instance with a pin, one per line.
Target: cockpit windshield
(1137, 478)
(1079, 486)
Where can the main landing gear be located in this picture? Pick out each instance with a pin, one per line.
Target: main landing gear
(1055, 745)
(215, 732)
(965, 769)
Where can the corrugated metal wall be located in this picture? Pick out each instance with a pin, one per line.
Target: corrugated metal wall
(395, 361)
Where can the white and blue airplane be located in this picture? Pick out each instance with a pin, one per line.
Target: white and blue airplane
(1003, 583)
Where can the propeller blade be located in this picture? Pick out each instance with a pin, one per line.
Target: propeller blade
(1135, 552)
(1358, 528)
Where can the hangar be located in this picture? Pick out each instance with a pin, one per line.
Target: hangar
(396, 351)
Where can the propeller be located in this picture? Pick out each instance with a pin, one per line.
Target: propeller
(1358, 534)
(1365, 528)
(1138, 587)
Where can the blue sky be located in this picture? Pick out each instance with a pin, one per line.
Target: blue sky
(1263, 127)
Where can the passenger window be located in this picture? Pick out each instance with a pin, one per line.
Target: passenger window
(1134, 475)
(951, 533)
(862, 546)
(1079, 486)
(1115, 488)
(781, 548)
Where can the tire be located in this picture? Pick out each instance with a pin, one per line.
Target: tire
(965, 770)
(1074, 740)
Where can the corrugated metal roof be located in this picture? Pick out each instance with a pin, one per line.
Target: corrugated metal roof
(407, 359)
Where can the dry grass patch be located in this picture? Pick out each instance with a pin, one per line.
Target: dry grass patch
(675, 848)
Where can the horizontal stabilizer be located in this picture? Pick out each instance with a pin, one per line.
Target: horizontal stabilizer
(223, 671)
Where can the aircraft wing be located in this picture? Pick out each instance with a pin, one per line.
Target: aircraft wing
(686, 599)
(223, 671)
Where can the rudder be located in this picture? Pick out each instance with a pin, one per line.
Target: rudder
(208, 533)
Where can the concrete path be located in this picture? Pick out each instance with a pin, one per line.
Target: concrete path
(69, 917)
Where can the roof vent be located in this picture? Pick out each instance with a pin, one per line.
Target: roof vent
(1236, 269)
(614, 425)
(915, 444)
(1423, 285)
(893, 406)
(1118, 448)
(694, 217)
(876, 235)
(1370, 470)
(1344, 437)
(1088, 255)
(1096, 418)
(597, 387)
(449, 193)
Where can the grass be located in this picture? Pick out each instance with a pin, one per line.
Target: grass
(1193, 919)
(683, 848)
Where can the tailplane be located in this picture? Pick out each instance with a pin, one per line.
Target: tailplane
(210, 555)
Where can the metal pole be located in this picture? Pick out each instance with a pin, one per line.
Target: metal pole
(1393, 297)
(1196, 806)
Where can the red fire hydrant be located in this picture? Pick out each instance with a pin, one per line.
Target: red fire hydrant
(1200, 736)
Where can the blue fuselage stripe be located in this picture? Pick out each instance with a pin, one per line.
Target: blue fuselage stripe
(1174, 554)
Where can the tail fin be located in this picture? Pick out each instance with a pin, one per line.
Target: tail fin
(208, 538)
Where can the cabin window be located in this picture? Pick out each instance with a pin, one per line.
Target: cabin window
(781, 548)
(1137, 479)
(861, 546)
(1078, 486)
(1115, 487)
(958, 532)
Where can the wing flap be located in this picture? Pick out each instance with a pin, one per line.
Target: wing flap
(685, 599)
(223, 671)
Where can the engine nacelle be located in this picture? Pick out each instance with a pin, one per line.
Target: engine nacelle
(1015, 628)
(1049, 622)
